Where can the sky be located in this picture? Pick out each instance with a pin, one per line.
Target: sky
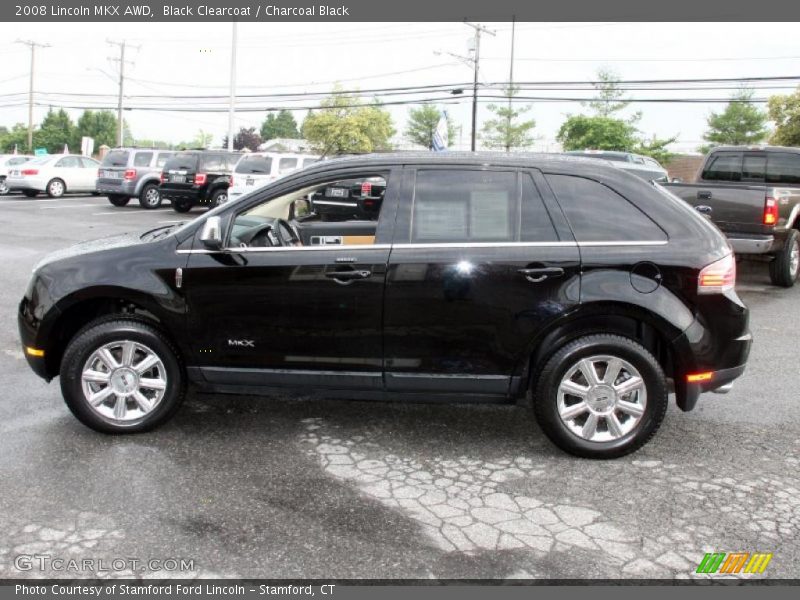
(194, 59)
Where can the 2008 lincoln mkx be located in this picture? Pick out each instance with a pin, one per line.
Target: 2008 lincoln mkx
(408, 277)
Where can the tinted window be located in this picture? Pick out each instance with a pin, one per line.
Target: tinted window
(116, 158)
(753, 167)
(213, 162)
(596, 213)
(162, 158)
(464, 206)
(182, 161)
(536, 223)
(142, 159)
(69, 162)
(724, 166)
(261, 165)
(783, 168)
(286, 164)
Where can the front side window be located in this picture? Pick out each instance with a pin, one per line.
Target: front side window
(597, 213)
(465, 206)
(724, 166)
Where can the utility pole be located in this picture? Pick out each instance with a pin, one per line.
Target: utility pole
(510, 81)
(122, 45)
(476, 64)
(33, 45)
(232, 105)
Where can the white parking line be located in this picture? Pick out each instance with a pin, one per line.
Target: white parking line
(65, 206)
(130, 212)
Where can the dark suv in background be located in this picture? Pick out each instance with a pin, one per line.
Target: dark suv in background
(197, 177)
(482, 277)
(127, 173)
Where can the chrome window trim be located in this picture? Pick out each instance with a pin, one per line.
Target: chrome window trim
(454, 245)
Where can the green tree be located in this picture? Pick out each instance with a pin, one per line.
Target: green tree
(580, 132)
(741, 123)
(281, 125)
(100, 125)
(16, 136)
(203, 139)
(344, 124)
(422, 124)
(505, 130)
(56, 130)
(247, 137)
(785, 112)
(656, 148)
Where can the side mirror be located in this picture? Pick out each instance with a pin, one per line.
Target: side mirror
(211, 235)
(299, 208)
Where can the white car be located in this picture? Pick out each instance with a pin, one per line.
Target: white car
(55, 174)
(6, 162)
(257, 169)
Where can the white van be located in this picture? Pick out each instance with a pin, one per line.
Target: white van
(257, 169)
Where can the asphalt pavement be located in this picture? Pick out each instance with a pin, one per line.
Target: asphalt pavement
(297, 488)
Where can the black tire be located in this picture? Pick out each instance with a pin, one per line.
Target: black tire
(118, 200)
(31, 193)
(549, 379)
(150, 196)
(182, 206)
(56, 188)
(3, 187)
(784, 268)
(113, 330)
(219, 197)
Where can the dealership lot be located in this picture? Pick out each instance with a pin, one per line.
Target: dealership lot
(279, 487)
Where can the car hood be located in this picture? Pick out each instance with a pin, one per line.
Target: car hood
(91, 247)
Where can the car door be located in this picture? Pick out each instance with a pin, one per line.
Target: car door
(482, 262)
(70, 171)
(307, 316)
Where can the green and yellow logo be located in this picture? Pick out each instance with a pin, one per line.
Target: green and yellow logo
(734, 562)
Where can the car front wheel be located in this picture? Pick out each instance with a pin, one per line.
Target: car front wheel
(121, 376)
(601, 396)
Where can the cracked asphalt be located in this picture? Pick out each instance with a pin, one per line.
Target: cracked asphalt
(278, 487)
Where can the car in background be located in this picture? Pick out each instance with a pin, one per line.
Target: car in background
(645, 167)
(6, 162)
(258, 169)
(55, 174)
(193, 177)
(127, 173)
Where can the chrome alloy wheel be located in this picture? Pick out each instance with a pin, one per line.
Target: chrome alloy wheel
(123, 381)
(56, 188)
(152, 197)
(601, 398)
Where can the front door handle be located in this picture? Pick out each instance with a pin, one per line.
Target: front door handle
(540, 274)
(347, 276)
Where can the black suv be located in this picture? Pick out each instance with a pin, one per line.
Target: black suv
(483, 277)
(197, 177)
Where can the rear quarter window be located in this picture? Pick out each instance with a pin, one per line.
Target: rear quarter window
(596, 213)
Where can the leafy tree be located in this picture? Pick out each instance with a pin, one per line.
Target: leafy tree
(504, 131)
(422, 124)
(281, 125)
(785, 112)
(656, 148)
(609, 99)
(344, 125)
(100, 125)
(247, 137)
(56, 130)
(580, 132)
(201, 140)
(16, 136)
(741, 123)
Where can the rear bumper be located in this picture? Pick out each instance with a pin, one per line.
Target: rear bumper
(116, 187)
(29, 183)
(196, 196)
(753, 244)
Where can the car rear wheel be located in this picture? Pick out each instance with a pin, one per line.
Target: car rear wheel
(31, 193)
(601, 396)
(150, 197)
(785, 267)
(219, 197)
(122, 376)
(56, 188)
(182, 206)
(3, 187)
(118, 200)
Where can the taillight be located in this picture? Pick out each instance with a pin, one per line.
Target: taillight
(130, 174)
(163, 177)
(770, 211)
(717, 277)
(366, 189)
(200, 179)
(231, 182)
(30, 171)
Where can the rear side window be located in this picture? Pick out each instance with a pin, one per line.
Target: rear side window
(260, 165)
(116, 158)
(142, 159)
(465, 206)
(536, 223)
(724, 166)
(597, 213)
(783, 168)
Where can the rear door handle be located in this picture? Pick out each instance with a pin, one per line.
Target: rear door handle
(540, 274)
(347, 276)
(704, 195)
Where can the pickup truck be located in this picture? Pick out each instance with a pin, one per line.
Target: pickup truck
(753, 195)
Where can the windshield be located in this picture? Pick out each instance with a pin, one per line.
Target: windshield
(182, 161)
(116, 158)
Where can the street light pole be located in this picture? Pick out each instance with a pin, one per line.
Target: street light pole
(33, 45)
(476, 65)
(232, 105)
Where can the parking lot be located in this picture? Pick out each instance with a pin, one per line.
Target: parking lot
(296, 488)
